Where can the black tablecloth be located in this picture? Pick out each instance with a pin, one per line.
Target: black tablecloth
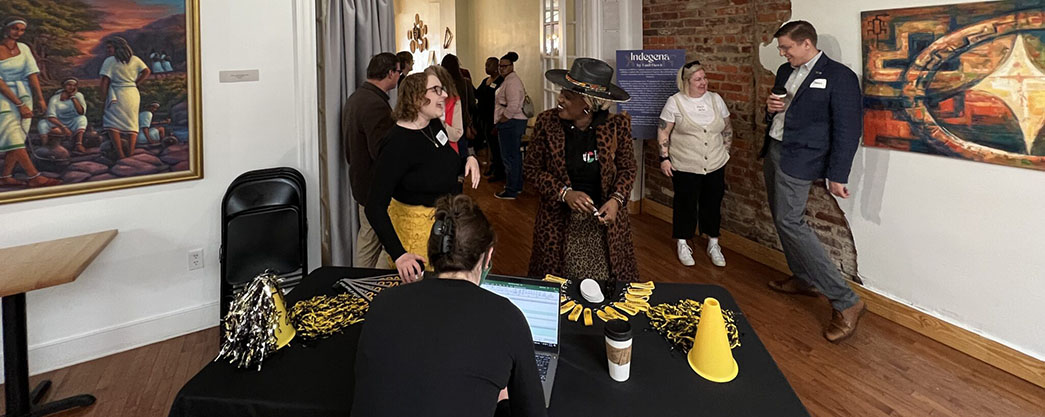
(316, 379)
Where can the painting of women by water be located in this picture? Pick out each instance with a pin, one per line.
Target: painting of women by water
(97, 95)
(964, 81)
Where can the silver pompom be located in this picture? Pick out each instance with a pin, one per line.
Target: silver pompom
(250, 326)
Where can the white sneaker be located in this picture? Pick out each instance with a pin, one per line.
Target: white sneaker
(685, 253)
(715, 253)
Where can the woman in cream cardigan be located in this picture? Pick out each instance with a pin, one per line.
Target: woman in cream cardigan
(695, 136)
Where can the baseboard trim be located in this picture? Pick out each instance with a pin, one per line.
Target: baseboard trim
(989, 351)
(70, 350)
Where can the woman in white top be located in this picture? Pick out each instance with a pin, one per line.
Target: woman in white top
(695, 136)
(166, 59)
(121, 73)
(66, 112)
(155, 63)
(19, 85)
(150, 134)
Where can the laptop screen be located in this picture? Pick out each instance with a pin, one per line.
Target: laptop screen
(539, 303)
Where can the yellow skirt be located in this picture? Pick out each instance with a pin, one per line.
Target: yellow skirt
(413, 224)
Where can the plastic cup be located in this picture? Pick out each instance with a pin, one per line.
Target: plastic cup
(618, 349)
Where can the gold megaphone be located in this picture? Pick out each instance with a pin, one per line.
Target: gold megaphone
(711, 356)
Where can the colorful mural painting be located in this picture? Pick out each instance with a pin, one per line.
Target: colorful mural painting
(97, 95)
(964, 81)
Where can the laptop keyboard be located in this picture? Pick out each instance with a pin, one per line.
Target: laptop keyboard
(542, 365)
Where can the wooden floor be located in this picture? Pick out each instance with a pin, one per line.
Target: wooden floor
(884, 370)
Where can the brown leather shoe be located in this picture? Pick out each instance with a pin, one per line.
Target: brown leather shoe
(843, 323)
(792, 285)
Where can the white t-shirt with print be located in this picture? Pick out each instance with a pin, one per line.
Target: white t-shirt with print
(698, 109)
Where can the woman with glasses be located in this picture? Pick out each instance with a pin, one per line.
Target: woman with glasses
(583, 166)
(511, 124)
(695, 135)
(414, 167)
(456, 124)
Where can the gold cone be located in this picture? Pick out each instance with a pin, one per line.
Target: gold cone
(284, 331)
(711, 356)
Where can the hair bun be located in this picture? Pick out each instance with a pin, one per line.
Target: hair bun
(460, 235)
(511, 56)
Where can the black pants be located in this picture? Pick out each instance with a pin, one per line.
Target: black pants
(697, 198)
(490, 136)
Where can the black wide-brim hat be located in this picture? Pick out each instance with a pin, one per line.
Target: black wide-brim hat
(591, 77)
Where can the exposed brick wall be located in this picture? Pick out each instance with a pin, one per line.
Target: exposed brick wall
(725, 36)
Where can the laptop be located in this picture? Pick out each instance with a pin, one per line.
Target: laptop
(539, 302)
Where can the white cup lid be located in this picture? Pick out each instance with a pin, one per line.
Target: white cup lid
(590, 291)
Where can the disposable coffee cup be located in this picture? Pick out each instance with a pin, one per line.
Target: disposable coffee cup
(779, 93)
(618, 349)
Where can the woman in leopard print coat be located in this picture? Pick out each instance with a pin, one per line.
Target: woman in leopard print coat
(582, 163)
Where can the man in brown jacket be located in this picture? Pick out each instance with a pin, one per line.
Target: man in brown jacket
(365, 119)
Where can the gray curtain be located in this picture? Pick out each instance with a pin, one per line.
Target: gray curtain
(353, 31)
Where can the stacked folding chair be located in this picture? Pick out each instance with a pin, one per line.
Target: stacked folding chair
(264, 227)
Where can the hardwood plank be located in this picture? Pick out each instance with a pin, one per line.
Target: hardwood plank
(972, 344)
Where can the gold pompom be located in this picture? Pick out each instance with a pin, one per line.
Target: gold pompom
(678, 323)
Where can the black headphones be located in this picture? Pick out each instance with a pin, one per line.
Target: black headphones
(444, 228)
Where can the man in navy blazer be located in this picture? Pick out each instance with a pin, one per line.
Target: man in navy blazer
(814, 133)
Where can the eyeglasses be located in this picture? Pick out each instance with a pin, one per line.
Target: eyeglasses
(438, 90)
(504, 65)
(691, 63)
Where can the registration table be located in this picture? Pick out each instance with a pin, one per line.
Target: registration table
(316, 378)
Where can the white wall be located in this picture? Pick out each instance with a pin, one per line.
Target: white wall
(437, 15)
(960, 240)
(139, 290)
(492, 28)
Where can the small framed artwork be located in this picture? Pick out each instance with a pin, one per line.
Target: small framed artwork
(97, 95)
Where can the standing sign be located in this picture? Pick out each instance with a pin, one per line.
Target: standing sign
(649, 76)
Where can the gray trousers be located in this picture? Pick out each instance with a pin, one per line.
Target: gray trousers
(805, 254)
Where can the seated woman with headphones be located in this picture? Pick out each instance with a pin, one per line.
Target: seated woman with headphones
(444, 346)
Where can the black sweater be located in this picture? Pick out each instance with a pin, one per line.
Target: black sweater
(444, 347)
(413, 170)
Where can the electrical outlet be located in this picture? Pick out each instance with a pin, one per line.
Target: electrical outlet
(196, 259)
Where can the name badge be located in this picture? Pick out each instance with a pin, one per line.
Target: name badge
(441, 136)
(819, 83)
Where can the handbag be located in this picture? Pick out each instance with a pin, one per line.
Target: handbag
(527, 107)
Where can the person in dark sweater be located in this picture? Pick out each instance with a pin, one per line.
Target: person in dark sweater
(444, 346)
(365, 121)
(415, 167)
(483, 120)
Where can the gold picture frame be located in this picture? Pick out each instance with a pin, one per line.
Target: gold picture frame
(87, 160)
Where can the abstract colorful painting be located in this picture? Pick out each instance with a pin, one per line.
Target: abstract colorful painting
(97, 95)
(964, 81)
